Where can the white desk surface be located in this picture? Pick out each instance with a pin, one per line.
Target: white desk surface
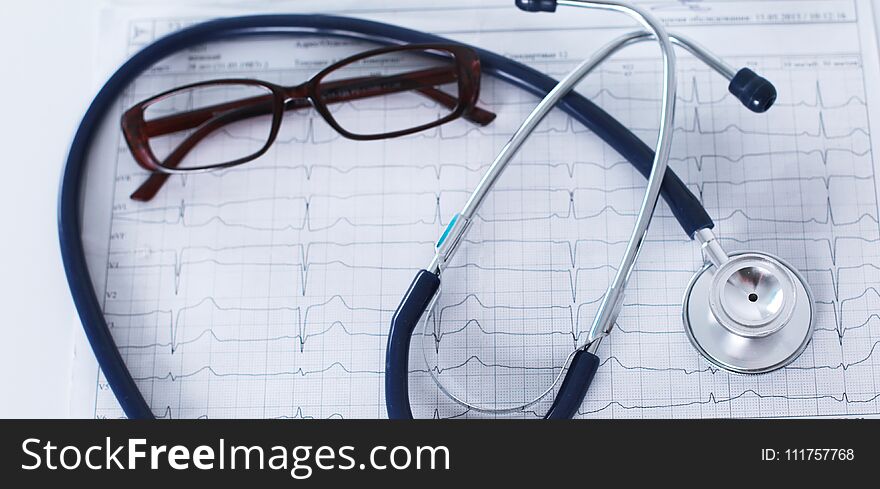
(48, 78)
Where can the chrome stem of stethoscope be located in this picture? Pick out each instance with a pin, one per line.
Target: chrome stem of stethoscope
(613, 299)
(711, 247)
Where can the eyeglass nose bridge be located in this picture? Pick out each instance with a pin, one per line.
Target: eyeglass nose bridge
(297, 97)
(296, 92)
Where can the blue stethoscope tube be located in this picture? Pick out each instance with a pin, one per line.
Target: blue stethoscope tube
(686, 208)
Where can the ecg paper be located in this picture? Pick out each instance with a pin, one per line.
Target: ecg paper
(267, 290)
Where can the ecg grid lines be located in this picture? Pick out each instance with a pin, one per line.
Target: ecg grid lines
(267, 290)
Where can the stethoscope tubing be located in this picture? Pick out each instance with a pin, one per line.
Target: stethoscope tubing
(685, 206)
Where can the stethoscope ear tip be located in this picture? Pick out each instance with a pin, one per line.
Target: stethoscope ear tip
(754, 91)
(536, 5)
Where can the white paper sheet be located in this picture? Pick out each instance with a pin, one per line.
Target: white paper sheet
(267, 291)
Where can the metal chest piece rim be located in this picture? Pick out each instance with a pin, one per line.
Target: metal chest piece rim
(752, 314)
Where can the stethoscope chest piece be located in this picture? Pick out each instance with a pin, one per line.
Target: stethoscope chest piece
(751, 314)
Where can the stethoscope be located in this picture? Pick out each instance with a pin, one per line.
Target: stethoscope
(748, 312)
(722, 319)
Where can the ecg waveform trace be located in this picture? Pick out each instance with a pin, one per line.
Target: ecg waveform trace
(266, 290)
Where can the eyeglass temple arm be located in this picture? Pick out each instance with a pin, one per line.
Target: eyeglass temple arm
(147, 190)
(423, 81)
(262, 105)
(192, 119)
(476, 115)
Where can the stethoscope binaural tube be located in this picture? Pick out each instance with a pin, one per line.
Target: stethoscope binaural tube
(423, 290)
(754, 92)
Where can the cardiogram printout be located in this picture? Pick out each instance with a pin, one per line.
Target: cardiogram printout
(267, 290)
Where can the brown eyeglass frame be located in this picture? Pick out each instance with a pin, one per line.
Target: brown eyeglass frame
(465, 69)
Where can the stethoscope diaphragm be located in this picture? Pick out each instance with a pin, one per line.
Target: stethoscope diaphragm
(752, 314)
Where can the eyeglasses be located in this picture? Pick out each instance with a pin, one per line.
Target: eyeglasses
(224, 123)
